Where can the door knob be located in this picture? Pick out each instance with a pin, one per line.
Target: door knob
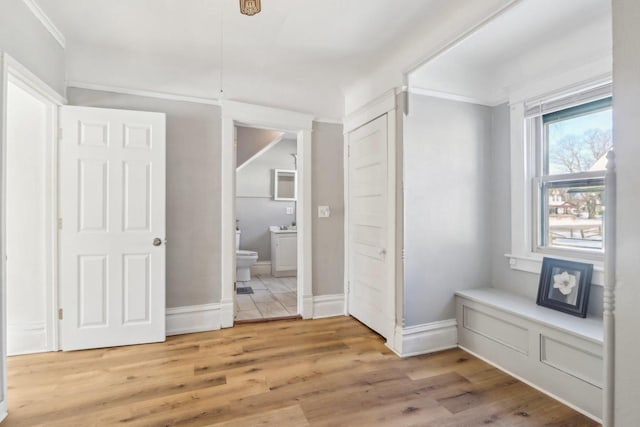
(157, 241)
(382, 252)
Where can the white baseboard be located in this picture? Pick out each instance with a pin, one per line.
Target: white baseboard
(3, 409)
(227, 313)
(423, 339)
(195, 318)
(261, 267)
(328, 306)
(26, 338)
(307, 307)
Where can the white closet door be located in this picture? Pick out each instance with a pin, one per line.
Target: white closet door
(370, 291)
(112, 211)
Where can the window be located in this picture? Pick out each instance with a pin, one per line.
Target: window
(572, 137)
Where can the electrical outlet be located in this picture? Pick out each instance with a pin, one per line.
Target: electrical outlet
(289, 211)
(324, 211)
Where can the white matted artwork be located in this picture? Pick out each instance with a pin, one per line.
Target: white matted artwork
(564, 286)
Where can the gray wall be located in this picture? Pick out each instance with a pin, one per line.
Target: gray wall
(24, 38)
(193, 197)
(328, 189)
(193, 191)
(255, 208)
(626, 92)
(447, 205)
(502, 276)
(251, 140)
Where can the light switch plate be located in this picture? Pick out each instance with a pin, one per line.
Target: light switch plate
(324, 212)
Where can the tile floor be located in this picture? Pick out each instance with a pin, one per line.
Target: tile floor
(272, 297)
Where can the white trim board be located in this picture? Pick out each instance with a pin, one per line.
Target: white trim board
(33, 338)
(31, 81)
(454, 97)
(426, 338)
(142, 92)
(533, 264)
(195, 318)
(328, 306)
(46, 22)
(373, 109)
(169, 96)
(16, 73)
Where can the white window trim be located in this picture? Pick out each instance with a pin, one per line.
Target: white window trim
(523, 152)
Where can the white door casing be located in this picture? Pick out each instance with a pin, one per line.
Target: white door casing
(112, 206)
(371, 288)
(239, 113)
(29, 207)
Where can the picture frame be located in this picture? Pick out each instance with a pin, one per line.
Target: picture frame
(565, 285)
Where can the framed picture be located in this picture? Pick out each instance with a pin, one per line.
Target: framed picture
(564, 286)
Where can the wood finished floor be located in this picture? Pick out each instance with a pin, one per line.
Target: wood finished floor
(331, 372)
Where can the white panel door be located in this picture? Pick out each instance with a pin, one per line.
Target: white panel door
(112, 210)
(370, 290)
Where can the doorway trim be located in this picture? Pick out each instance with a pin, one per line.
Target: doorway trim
(22, 78)
(238, 113)
(14, 70)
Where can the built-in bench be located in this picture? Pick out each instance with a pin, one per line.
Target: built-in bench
(557, 353)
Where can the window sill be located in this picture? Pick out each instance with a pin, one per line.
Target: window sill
(533, 264)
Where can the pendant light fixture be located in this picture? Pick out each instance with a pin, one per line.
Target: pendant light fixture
(250, 7)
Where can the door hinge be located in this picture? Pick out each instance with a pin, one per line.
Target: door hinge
(60, 314)
(59, 223)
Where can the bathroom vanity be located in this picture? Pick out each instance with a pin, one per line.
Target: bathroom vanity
(284, 252)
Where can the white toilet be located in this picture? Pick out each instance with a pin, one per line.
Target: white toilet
(244, 261)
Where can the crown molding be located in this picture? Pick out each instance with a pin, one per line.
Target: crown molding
(46, 22)
(455, 97)
(145, 93)
(328, 120)
(168, 96)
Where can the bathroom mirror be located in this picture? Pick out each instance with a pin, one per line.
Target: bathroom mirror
(284, 185)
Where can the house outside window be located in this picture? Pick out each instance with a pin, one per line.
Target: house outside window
(570, 138)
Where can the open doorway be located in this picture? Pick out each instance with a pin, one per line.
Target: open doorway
(266, 229)
(30, 220)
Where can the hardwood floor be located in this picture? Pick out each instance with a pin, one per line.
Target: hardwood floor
(331, 372)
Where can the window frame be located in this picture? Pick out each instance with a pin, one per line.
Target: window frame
(523, 105)
(537, 138)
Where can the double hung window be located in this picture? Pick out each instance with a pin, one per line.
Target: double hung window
(571, 138)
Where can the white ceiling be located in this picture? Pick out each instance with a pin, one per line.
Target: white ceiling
(297, 54)
(531, 40)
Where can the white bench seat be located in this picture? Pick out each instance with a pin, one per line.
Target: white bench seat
(557, 353)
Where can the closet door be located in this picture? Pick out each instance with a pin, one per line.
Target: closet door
(371, 292)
